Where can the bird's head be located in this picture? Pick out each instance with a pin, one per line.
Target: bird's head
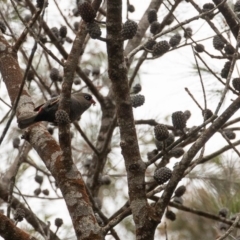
(89, 98)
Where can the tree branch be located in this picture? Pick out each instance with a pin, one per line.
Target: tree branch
(179, 170)
(9, 231)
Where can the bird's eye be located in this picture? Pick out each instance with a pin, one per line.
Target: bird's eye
(87, 97)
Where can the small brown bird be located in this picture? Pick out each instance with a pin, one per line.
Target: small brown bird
(80, 102)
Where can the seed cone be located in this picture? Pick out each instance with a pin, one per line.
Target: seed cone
(94, 30)
(161, 132)
(19, 214)
(168, 142)
(229, 49)
(160, 48)
(207, 7)
(55, 32)
(58, 222)
(63, 31)
(149, 44)
(86, 11)
(223, 212)
(131, 8)
(54, 74)
(230, 134)
(199, 48)
(154, 27)
(137, 88)
(176, 152)
(180, 191)
(218, 44)
(207, 113)
(226, 69)
(129, 29)
(188, 32)
(62, 117)
(175, 40)
(170, 215)
(162, 175)
(152, 16)
(137, 100)
(237, 6)
(179, 120)
(2, 26)
(236, 84)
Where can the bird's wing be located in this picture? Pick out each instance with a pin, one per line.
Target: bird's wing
(38, 108)
(48, 103)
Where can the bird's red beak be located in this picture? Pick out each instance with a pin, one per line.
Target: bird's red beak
(93, 102)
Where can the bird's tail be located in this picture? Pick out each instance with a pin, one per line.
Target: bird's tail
(26, 121)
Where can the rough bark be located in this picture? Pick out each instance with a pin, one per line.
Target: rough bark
(143, 215)
(9, 231)
(69, 180)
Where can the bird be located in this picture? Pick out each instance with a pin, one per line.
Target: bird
(80, 102)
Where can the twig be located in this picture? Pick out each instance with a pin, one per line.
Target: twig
(39, 225)
(201, 213)
(201, 80)
(229, 142)
(102, 216)
(151, 122)
(231, 122)
(102, 39)
(134, 51)
(63, 16)
(109, 135)
(234, 59)
(215, 154)
(11, 174)
(155, 191)
(101, 22)
(211, 24)
(136, 69)
(26, 58)
(178, 171)
(151, 161)
(6, 115)
(204, 97)
(31, 163)
(5, 103)
(38, 197)
(126, 212)
(86, 138)
(165, 230)
(230, 229)
(27, 29)
(52, 36)
(214, 74)
(91, 86)
(190, 94)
